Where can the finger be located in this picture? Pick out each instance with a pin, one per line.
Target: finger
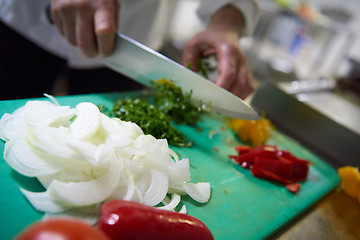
(68, 25)
(190, 55)
(105, 32)
(85, 36)
(227, 68)
(249, 86)
(208, 52)
(105, 29)
(56, 17)
(58, 22)
(243, 86)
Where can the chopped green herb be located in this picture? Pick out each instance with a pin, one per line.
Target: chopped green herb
(150, 119)
(204, 67)
(170, 99)
(170, 104)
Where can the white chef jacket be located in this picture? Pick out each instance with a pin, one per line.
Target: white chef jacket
(143, 20)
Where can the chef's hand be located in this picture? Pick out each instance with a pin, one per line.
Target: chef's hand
(221, 37)
(89, 24)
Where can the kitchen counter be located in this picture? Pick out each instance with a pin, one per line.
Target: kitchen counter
(336, 216)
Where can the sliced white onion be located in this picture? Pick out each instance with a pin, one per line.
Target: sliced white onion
(183, 209)
(87, 122)
(19, 156)
(118, 132)
(52, 99)
(89, 192)
(52, 141)
(132, 193)
(179, 171)
(172, 204)
(200, 192)
(12, 126)
(157, 189)
(47, 113)
(84, 158)
(41, 201)
(45, 180)
(85, 149)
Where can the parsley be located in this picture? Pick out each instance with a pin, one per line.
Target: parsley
(170, 104)
(170, 99)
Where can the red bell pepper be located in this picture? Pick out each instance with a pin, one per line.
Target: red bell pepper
(283, 154)
(271, 163)
(246, 156)
(293, 187)
(243, 149)
(282, 171)
(127, 220)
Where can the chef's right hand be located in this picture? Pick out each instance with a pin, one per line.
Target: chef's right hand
(89, 24)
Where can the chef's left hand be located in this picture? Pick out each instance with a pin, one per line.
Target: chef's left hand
(221, 37)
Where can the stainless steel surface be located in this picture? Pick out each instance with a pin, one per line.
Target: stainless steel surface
(144, 65)
(335, 107)
(324, 122)
(296, 87)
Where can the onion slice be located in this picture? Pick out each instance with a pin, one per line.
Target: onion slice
(30, 165)
(200, 192)
(84, 158)
(88, 192)
(12, 126)
(42, 202)
(157, 189)
(87, 122)
(172, 204)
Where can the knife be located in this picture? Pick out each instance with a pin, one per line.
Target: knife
(144, 65)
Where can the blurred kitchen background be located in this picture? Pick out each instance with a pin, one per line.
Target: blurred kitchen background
(305, 58)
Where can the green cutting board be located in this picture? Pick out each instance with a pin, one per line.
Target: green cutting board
(241, 206)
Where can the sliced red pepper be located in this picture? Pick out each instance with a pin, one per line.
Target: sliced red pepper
(243, 149)
(272, 169)
(288, 171)
(299, 171)
(262, 173)
(269, 152)
(293, 187)
(283, 154)
(247, 159)
(269, 162)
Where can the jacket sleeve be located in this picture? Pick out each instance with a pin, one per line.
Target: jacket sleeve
(249, 9)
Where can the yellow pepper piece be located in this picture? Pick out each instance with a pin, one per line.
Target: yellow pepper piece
(255, 132)
(350, 181)
(165, 81)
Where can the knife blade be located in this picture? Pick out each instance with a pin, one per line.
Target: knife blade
(144, 65)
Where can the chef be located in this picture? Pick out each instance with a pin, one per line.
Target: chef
(41, 39)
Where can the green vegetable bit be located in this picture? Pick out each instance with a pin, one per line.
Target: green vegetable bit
(170, 99)
(170, 104)
(150, 119)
